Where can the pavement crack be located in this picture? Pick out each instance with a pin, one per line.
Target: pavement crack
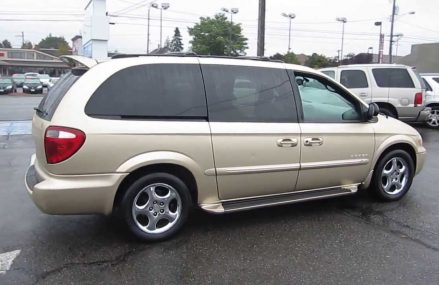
(111, 262)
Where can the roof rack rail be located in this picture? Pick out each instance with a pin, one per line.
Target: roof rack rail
(192, 54)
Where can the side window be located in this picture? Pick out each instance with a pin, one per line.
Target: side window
(354, 79)
(436, 79)
(330, 73)
(151, 91)
(393, 78)
(324, 102)
(248, 94)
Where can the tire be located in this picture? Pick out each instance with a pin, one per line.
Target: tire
(393, 176)
(155, 206)
(432, 120)
(387, 112)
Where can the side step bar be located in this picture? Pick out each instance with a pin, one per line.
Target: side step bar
(279, 199)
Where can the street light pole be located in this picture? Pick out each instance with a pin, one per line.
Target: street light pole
(164, 6)
(232, 11)
(151, 5)
(380, 42)
(290, 17)
(343, 20)
(391, 31)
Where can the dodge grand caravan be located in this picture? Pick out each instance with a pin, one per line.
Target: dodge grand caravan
(147, 137)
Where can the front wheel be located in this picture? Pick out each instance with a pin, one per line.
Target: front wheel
(393, 176)
(433, 119)
(156, 206)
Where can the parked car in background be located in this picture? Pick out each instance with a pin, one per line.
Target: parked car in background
(45, 79)
(396, 89)
(18, 80)
(32, 86)
(6, 86)
(222, 134)
(52, 81)
(31, 75)
(431, 81)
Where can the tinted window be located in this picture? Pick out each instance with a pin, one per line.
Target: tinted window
(324, 102)
(248, 94)
(51, 101)
(330, 73)
(393, 78)
(436, 79)
(153, 90)
(354, 79)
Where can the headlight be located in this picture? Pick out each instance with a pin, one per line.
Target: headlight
(39, 87)
(25, 87)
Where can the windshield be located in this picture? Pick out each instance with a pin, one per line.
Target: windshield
(5, 81)
(32, 81)
(18, 76)
(44, 76)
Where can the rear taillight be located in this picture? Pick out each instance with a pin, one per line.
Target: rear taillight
(60, 143)
(418, 99)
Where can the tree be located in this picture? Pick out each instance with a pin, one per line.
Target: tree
(27, 45)
(319, 61)
(167, 43)
(5, 44)
(288, 57)
(56, 43)
(212, 36)
(176, 44)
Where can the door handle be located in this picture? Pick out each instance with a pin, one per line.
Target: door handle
(363, 94)
(313, 142)
(287, 142)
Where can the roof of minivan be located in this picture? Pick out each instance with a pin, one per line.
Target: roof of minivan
(246, 61)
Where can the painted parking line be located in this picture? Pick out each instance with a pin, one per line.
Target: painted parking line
(6, 260)
(11, 128)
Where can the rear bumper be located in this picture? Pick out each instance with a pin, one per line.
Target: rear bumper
(413, 114)
(72, 194)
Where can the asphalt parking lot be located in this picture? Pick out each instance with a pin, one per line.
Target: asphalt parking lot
(351, 240)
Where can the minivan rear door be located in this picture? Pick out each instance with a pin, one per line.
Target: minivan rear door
(254, 126)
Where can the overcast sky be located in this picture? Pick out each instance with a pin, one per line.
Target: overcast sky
(314, 29)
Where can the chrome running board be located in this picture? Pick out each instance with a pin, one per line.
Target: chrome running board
(279, 199)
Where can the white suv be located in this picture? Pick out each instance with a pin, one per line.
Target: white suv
(431, 81)
(396, 89)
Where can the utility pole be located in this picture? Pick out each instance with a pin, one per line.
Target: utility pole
(391, 32)
(290, 17)
(343, 20)
(231, 12)
(261, 28)
(22, 38)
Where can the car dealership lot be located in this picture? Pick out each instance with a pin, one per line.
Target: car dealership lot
(344, 241)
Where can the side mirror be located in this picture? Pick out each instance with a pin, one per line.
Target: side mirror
(373, 111)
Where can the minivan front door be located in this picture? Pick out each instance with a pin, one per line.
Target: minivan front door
(337, 146)
(255, 134)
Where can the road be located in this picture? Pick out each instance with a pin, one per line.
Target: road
(18, 108)
(351, 240)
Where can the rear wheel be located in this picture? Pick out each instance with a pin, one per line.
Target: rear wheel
(156, 206)
(393, 176)
(433, 119)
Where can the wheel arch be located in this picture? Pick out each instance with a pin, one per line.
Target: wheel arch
(386, 105)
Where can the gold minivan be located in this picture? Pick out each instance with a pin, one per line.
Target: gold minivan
(148, 137)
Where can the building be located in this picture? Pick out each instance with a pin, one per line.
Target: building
(425, 57)
(77, 45)
(14, 60)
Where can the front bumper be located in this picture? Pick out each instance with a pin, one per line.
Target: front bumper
(72, 194)
(420, 161)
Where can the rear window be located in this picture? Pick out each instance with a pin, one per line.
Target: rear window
(169, 91)
(354, 79)
(393, 78)
(51, 101)
(436, 79)
(427, 85)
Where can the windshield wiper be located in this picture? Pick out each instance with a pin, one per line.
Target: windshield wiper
(41, 112)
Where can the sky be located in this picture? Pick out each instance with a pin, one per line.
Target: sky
(313, 30)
